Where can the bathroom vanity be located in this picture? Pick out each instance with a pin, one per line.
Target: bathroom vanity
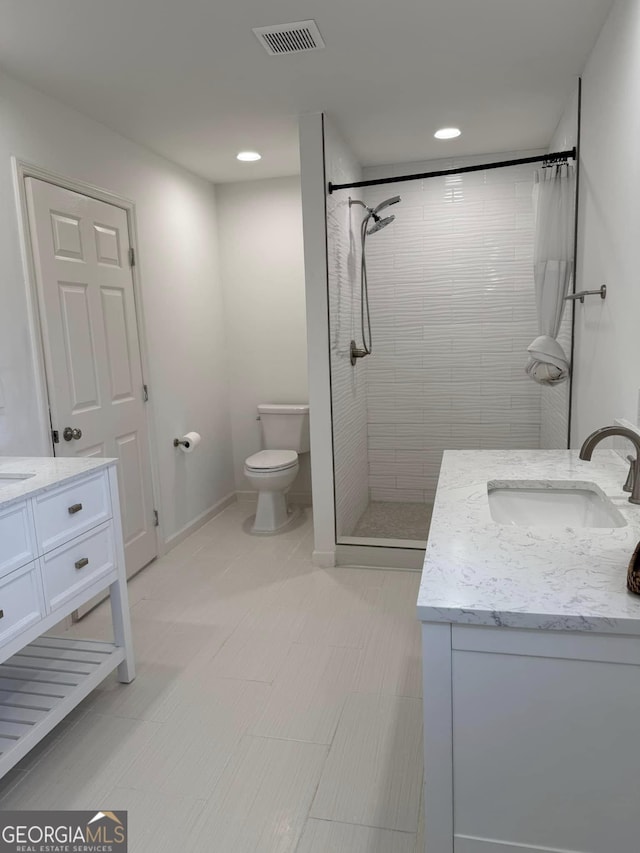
(531, 656)
(60, 545)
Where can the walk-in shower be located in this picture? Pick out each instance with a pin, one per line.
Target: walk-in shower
(443, 302)
(367, 227)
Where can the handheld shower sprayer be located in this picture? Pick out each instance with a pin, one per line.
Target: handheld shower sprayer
(366, 229)
(394, 200)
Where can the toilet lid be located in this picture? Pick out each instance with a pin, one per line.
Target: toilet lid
(272, 460)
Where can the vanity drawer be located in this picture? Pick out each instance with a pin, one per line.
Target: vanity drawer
(68, 570)
(21, 602)
(17, 541)
(68, 511)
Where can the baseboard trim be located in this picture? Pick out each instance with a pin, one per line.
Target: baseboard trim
(198, 522)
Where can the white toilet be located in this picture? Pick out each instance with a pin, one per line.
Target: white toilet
(285, 433)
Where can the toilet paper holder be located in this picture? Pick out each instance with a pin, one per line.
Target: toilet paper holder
(187, 442)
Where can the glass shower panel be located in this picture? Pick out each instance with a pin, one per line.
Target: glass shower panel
(452, 308)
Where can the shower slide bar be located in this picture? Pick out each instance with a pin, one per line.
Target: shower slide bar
(480, 167)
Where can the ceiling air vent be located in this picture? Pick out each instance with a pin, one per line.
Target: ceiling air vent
(290, 38)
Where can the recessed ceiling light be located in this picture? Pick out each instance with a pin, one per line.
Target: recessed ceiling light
(249, 156)
(447, 133)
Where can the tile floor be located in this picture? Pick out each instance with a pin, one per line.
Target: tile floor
(276, 707)
(395, 520)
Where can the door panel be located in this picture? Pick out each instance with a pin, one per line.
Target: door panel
(130, 475)
(118, 355)
(67, 240)
(79, 348)
(107, 245)
(91, 346)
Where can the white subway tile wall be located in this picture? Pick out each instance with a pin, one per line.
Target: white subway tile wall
(453, 311)
(348, 384)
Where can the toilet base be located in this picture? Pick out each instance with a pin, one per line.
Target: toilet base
(272, 512)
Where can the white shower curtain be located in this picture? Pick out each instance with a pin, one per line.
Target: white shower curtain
(554, 205)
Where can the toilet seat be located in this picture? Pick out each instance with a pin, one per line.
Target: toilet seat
(272, 460)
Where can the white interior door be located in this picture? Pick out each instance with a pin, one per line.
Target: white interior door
(92, 352)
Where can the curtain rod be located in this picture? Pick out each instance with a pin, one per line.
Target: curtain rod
(480, 167)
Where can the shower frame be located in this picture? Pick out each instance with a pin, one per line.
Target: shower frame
(553, 157)
(408, 554)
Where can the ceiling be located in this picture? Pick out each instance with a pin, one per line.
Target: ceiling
(189, 79)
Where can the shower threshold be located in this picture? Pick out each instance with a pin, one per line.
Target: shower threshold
(383, 542)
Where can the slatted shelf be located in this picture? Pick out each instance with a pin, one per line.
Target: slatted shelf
(42, 683)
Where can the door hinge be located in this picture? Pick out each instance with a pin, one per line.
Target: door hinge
(132, 257)
(145, 393)
(156, 519)
(55, 436)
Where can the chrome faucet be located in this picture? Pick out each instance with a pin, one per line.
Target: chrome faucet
(633, 480)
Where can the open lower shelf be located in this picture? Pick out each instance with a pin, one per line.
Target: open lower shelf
(42, 683)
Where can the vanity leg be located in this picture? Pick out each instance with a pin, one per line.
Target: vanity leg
(120, 615)
(438, 737)
(122, 630)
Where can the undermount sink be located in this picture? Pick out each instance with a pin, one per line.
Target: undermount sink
(7, 479)
(558, 503)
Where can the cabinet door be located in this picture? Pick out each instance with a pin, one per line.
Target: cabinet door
(546, 754)
(21, 603)
(17, 546)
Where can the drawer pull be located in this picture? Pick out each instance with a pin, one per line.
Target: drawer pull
(80, 564)
(74, 508)
(1, 614)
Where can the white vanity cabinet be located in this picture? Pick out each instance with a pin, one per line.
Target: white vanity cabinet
(60, 545)
(531, 665)
(531, 741)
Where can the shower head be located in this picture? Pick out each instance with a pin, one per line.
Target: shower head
(379, 224)
(394, 200)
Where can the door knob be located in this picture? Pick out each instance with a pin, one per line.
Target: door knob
(68, 433)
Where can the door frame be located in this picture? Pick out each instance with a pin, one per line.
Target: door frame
(21, 171)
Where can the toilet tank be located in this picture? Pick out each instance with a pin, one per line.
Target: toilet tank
(285, 427)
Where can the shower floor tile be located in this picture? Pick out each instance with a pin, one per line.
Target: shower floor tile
(395, 520)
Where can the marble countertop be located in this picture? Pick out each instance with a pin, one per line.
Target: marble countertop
(479, 572)
(47, 473)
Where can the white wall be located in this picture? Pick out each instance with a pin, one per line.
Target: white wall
(453, 311)
(262, 271)
(177, 255)
(607, 347)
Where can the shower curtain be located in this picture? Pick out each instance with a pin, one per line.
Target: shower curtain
(554, 205)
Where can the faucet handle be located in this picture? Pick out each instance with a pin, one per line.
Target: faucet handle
(631, 476)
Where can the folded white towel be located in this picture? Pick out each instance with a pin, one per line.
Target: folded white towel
(547, 365)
